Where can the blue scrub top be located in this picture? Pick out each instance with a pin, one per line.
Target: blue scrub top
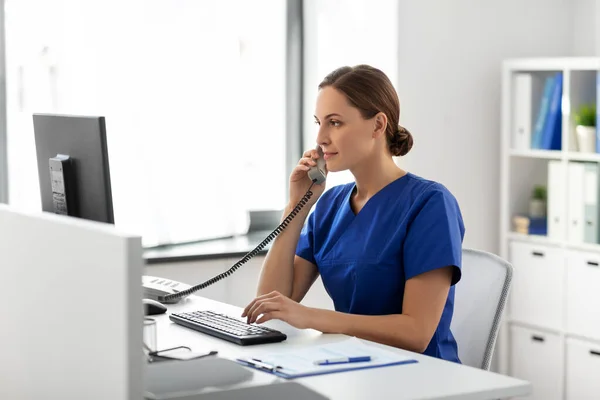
(411, 226)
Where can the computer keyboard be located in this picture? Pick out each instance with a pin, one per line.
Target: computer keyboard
(227, 328)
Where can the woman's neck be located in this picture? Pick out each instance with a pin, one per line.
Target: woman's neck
(374, 176)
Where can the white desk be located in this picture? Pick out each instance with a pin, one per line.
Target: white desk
(430, 378)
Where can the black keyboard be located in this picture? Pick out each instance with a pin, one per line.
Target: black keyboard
(227, 328)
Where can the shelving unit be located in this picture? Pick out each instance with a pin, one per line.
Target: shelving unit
(551, 331)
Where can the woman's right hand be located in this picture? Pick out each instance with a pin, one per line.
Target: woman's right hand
(300, 182)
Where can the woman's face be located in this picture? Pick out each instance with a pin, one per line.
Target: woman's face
(344, 135)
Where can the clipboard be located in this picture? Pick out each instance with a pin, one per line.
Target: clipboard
(298, 363)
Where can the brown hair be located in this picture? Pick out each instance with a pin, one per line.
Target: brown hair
(371, 91)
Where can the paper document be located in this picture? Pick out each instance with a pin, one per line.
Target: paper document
(301, 362)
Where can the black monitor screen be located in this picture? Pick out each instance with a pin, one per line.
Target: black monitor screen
(73, 168)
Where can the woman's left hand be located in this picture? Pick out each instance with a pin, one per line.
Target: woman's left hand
(274, 305)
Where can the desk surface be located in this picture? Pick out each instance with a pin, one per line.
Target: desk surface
(430, 378)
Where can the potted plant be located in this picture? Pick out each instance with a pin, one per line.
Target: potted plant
(585, 127)
(537, 203)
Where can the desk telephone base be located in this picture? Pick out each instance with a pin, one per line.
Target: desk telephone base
(155, 287)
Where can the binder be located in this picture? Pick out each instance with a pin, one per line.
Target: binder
(552, 131)
(590, 201)
(556, 199)
(575, 227)
(299, 362)
(542, 113)
(522, 112)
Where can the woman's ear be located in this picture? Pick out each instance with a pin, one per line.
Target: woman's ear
(380, 125)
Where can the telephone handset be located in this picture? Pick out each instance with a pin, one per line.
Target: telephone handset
(162, 292)
(318, 174)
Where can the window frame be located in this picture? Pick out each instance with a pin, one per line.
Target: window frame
(3, 125)
(294, 86)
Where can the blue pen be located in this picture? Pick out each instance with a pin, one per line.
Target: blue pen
(342, 360)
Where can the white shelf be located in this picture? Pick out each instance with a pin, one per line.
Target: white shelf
(591, 157)
(537, 239)
(579, 337)
(554, 64)
(545, 154)
(545, 240)
(555, 155)
(583, 246)
(561, 332)
(539, 328)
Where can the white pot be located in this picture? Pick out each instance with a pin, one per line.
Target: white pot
(537, 208)
(586, 138)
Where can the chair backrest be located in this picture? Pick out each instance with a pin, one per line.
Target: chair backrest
(480, 297)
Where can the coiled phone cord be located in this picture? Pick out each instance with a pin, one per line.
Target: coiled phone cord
(248, 256)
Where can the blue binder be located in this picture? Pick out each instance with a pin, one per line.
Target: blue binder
(536, 141)
(552, 131)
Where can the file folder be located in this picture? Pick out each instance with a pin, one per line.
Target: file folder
(590, 202)
(523, 111)
(300, 362)
(556, 199)
(575, 228)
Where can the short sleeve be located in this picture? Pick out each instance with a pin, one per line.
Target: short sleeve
(305, 247)
(434, 238)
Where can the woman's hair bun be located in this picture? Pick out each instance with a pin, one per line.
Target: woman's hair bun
(401, 142)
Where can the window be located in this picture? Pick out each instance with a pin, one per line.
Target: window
(194, 98)
(339, 33)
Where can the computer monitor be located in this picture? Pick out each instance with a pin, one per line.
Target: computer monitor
(73, 167)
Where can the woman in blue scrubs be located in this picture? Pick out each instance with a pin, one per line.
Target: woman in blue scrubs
(387, 246)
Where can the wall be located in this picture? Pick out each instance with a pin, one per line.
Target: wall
(586, 27)
(449, 85)
(596, 12)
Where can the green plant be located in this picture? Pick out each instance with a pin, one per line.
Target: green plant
(586, 115)
(539, 192)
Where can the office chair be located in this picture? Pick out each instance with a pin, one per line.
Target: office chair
(480, 297)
